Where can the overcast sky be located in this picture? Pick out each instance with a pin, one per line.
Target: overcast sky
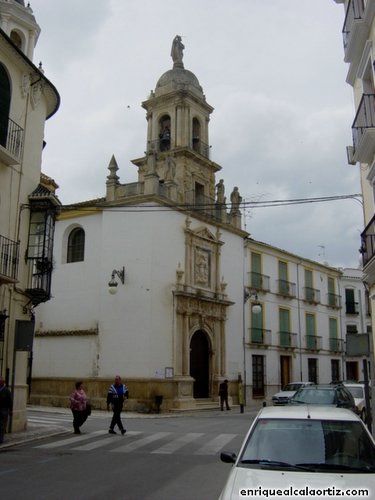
(272, 69)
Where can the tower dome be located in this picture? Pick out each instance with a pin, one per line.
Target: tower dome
(178, 79)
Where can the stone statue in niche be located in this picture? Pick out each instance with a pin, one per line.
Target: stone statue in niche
(170, 169)
(202, 267)
(177, 51)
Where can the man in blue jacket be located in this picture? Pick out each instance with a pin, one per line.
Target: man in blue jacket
(116, 396)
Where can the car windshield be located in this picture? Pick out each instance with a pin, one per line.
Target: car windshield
(357, 392)
(292, 387)
(315, 396)
(316, 445)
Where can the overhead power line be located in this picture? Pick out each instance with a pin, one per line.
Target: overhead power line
(245, 204)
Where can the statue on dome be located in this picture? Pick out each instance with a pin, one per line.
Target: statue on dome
(177, 51)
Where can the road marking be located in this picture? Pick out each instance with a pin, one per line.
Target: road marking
(140, 442)
(178, 443)
(215, 444)
(48, 420)
(104, 441)
(74, 439)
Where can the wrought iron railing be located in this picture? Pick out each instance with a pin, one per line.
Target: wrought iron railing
(352, 307)
(287, 339)
(11, 138)
(259, 282)
(354, 11)
(364, 119)
(313, 342)
(368, 242)
(311, 295)
(334, 300)
(336, 345)
(286, 288)
(9, 258)
(163, 145)
(260, 336)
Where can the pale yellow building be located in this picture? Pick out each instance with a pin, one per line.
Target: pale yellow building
(27, 200)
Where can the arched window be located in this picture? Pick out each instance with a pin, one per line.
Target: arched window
(76, 245)
(196, 134)
(16, 39)
(165, 133)
(4, 105)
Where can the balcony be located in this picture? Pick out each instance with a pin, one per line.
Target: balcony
(261, 337)
(355, 32)
(11, 142)
(286, 288)
(336, 345)
(368, 242)
(287, 340)
(363, 132)
(9, 258)
(259, 282)
(333, 300)
(351, 307)
(164, 145)
(313, 342)
(311, 295)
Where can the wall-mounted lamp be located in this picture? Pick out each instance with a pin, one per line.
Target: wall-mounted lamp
(112, 284)
(256, 306)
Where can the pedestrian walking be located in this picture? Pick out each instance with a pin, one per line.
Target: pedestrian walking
(79, 407)
(223, 393)
(116, 396)
(6, 407)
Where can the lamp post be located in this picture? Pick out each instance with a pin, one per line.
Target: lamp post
(256, 308)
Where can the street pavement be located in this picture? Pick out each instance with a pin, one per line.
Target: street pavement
(44, 422)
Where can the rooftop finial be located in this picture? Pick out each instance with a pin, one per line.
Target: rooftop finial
(177, 52)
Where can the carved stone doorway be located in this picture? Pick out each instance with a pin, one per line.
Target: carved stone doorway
(200, 364)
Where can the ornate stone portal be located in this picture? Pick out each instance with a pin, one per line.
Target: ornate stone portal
(200, 306)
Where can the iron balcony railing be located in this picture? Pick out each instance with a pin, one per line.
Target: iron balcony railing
(364, 119)
(352, 307)
(11, 138)
(259, 282)
(313, 342)
(163, 145)
(368, 242)
(286, 288)
(311, 295)
(334, 300)
(9, 258)
(336, 345)
(355, 11)
(260, 336)
(287, 339)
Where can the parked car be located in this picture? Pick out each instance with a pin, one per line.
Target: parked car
(331, 446)
(358, 393)
(282, 397)
(336, 395)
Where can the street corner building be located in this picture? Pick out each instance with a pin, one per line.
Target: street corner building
(159, 282)
(28, 204)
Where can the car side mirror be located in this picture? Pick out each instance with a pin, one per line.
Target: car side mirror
(228, 457)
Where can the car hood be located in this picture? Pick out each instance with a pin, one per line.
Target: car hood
(260, 480)
(284, 394)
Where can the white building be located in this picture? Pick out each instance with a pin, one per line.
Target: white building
(173, 249)
(358, 38)
(27, 201)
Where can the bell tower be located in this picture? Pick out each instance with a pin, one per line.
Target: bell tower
(177, 162)
(18, 22)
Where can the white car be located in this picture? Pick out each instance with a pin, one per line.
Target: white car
(283, 397)
(358, 393)
(300, 450)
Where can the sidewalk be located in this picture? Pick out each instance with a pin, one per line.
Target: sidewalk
(35, 431)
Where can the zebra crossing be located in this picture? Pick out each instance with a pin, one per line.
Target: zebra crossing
(157, 443)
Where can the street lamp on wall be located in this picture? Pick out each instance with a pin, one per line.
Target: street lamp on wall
(256, 306)
(112, 284)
